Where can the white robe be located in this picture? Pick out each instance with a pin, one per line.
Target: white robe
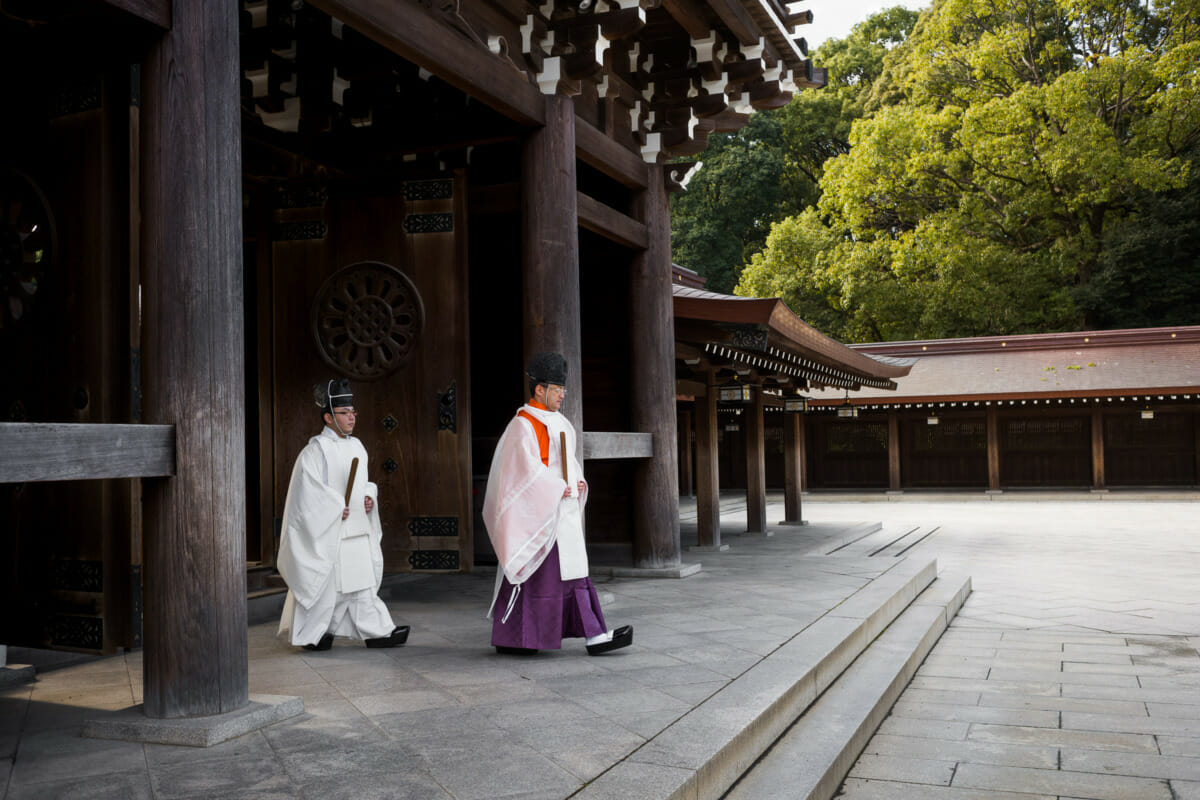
(333, 568)
(524, 509)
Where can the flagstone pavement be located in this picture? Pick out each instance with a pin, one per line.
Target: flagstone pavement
(1071, 672)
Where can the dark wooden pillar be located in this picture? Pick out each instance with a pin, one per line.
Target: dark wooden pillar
(708, 479)
(193, 372)
(550, 247)
(893, 451)
(1196, 437)
(756, 465)
(793, 466)
(804, 453)
(1097, 447)
(993, 449)
(687, 480)
(652, 382)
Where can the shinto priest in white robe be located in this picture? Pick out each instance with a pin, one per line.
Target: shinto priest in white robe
(543, 592)
(333, 567)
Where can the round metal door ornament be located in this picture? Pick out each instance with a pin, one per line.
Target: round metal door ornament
(27, 245)
(367, 319)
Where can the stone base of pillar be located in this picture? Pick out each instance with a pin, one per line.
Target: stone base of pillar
(12, 674)
(1098, 491)
(132, 725)
(681, 571)
(994, 491)
(794, 522)
(708, 548)
(757, 533)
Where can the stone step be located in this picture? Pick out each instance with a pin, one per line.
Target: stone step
(704, 752)
(810, 761)
(892, 541)
(845, 538)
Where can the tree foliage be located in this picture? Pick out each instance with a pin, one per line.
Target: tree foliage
(730, 202)
(1012, 159)
(771, 168)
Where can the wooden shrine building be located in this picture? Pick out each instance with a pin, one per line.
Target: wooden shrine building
(207, 207)
(742, 364)
(1090, 410)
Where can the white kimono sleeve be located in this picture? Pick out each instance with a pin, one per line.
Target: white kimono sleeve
(311, 529)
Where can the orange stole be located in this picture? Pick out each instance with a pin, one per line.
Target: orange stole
(542, 433)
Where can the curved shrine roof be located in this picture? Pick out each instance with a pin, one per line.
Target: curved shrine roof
(1056, 365)
(788, 339)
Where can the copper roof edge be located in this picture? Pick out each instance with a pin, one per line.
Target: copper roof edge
(1125, 337)
(998, 397)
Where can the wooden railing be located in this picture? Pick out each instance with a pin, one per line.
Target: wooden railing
(52, 451)
(617, 445)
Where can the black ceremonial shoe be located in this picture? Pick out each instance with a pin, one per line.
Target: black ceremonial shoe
(325, 643)
(397, 637)
(622, 637)
(515, 651)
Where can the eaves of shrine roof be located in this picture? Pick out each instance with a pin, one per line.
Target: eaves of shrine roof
(1044, 366)
(786, 331)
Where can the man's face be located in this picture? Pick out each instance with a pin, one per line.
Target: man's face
(550, 395)
(345, 419)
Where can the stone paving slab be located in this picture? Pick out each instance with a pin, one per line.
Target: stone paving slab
(862, 789)
(1186, 790)
(1080, 618)
(1005, 755)
(1061, 782)
(1131, 764)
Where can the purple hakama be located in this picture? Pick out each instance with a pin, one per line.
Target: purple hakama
(547, 610)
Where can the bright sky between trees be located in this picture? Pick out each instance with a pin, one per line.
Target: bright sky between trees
(833, 19)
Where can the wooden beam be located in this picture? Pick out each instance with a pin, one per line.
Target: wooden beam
(1098, 448)
(993, 449)
(610, 223)
(156, 12)
(414, 35)
(737, 19)
(550, 247)
(193, 366)
(1196, 437)
(409, 32)
(708, 483)
(793, 466)
(690, 17)
(72, 452)
(686, 482)
(607, 155)
(893, 451)
(597, 445)
(652, 399)
(756, 464)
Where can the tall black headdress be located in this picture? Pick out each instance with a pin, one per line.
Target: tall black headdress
(333, 394)
(548, 368)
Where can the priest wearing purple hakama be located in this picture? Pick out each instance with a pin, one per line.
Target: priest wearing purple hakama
(533, 510)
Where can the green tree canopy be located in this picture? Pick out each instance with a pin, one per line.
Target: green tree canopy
(1011, 153)
(771, 168)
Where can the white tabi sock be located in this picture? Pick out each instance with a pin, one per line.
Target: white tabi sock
(601, 639)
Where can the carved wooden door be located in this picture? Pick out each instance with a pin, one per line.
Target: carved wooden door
(370, 284)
